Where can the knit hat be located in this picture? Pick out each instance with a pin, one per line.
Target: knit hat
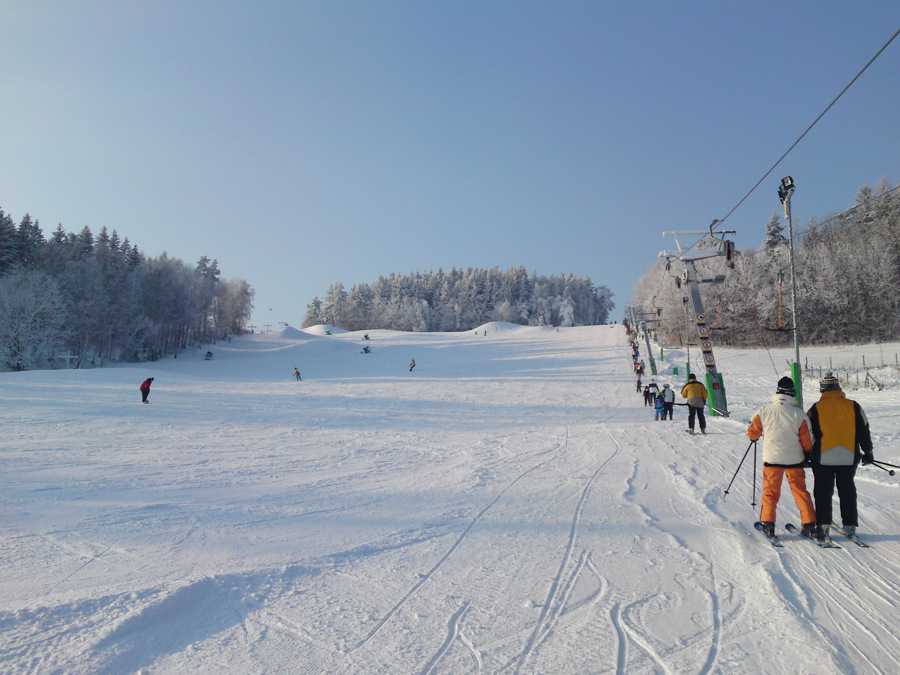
(829, 383)
(692, 377)
(786, 386)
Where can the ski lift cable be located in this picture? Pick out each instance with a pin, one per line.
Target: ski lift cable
(800, 234)
(853, 208)
(809, 128)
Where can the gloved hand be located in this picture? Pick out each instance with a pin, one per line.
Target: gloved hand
(868, 458)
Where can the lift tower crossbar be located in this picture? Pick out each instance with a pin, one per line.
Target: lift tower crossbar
(718, 404)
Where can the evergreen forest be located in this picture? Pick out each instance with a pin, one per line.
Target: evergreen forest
(79, 299)
(461, 300)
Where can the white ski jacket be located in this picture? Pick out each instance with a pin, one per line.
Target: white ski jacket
(786, 431)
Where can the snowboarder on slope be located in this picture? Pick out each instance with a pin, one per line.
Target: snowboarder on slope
(297, 374)
(786, 450)
(145, 389)
(695, 393)
(412, 364)
(841, 439)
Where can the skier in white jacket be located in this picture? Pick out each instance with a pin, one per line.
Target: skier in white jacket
(786, 450)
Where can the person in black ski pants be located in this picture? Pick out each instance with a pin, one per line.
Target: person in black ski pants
(841, 441)
(695, 393)
(668, 395)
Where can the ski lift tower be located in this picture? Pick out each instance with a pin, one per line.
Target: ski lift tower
(718, 404)
(643, 318)
(785, 192)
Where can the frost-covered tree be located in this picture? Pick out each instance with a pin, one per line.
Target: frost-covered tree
(774, 233)
(32, 316)
(233, 306)
(313, 315)
(461, 300)
(847, 271)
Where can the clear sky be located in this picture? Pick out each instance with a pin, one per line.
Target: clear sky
(303, 143)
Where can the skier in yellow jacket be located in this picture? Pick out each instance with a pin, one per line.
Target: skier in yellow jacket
(695, 393)
(841, 439)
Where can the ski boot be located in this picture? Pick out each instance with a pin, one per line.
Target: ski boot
(810, 530)
(768, 528)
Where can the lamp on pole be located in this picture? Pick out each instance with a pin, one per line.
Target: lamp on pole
(785, 192)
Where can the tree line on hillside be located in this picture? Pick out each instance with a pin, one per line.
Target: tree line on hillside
(460, 300)
(847, 271)
(77, 298)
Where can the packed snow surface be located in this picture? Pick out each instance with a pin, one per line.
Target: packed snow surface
(508, 506)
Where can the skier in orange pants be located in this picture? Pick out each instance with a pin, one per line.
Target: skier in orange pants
(786, 449)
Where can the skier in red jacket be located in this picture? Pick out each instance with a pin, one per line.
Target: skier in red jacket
(145, 389)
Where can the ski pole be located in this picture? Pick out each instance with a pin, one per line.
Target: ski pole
(893, 466)
(884, 467)
(752, 443)
(753, 503)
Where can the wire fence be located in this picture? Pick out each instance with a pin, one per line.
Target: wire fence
(857, 372)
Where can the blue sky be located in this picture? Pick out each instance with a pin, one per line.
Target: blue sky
(303, 143)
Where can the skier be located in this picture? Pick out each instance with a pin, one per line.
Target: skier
(639, 385)
(648, 397)
(297, 374)
(654, 388)
(145, 389)
(412, 364)
(668, 396)
(841, 439)
(785, 452)
(659, 407)
(695, 393)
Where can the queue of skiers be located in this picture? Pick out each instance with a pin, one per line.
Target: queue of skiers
(663, 401)
(832, 438)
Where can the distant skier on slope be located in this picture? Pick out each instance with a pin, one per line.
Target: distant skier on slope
(412, 364)
(785, 452)
(297, 374)
(145, 389)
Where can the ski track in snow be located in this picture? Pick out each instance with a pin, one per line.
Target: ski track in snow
(551, 611)
(449, 552)
(509, 507)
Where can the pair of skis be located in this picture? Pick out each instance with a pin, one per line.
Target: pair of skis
(793, 529)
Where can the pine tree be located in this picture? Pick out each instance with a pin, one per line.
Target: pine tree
(774, 229)
(31, 240)
(9, 243)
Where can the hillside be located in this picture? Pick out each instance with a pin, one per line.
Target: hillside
(509, 506)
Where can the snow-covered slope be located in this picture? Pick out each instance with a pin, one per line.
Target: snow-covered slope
(508, 506)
